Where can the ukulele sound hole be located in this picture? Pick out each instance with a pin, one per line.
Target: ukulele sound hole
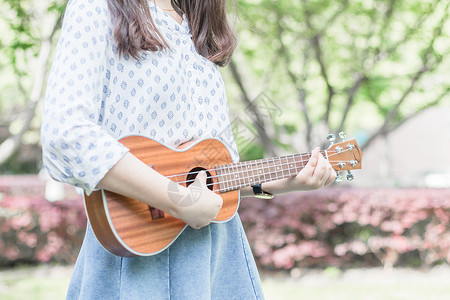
(193, 173)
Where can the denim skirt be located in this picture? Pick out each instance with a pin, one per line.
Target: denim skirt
(214, 262)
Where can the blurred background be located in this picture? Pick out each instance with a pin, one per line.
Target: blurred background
(374, 69)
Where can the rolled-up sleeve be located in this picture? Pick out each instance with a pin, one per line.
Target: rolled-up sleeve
(76, 148)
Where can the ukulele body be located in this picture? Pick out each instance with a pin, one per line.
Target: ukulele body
(127, 227)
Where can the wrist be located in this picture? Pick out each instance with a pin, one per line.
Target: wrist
(258, 192)
(281, 186)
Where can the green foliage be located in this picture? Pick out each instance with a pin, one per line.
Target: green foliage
(17, 164)
(251, 152)
(343, 59)
(330, 65)
(25, 25)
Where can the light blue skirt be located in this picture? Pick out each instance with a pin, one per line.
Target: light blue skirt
(214, 262)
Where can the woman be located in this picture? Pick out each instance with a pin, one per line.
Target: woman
(125, 67)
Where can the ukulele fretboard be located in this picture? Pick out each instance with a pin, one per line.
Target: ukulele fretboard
(238, 175)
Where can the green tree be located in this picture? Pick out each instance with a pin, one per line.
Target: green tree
(29, 32)
(325, 66)
(340, 65)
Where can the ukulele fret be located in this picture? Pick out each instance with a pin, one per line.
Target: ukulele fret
(279, 170)
(243, 174)
(224, 178)
(292, 164)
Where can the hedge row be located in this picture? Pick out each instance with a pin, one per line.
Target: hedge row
(350, 227)
(339, 227)
(33, 229)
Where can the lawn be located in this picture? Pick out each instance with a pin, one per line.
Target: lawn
(361, 284)
(50, 282)
(34, 283)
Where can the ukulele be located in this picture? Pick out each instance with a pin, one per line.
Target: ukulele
(127, 227)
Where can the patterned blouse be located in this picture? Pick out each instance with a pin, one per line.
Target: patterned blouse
(95, 97)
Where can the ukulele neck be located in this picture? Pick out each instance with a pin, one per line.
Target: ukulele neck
(243, 174)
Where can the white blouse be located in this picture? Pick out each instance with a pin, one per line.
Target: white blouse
(95, 97)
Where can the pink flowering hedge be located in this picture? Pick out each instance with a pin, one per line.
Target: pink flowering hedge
(33, 229)
(340, 227)
(350, 227)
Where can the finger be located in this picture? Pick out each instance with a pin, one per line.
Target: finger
(331, 178)
(218, 206)
(220, 203)
(200, 180)
(313, 160)
(216, 215)
(199, 227)
(307, 172)
(324, 163)
(321, 169)
(203, 225)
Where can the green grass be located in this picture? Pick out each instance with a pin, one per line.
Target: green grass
(362, 284)
(36, 283)
(346, 291)
(50, 282)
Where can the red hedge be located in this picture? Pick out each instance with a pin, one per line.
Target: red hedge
(350, 227)
(341, 227)
(33, 229)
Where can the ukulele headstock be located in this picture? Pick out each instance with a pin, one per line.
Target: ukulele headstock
(344, 156)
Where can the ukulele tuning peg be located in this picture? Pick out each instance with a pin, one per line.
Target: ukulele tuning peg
(339, 177)
(331, 138)
(342, 136)
(350, 176)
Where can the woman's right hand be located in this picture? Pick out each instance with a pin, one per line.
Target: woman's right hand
(196, 205)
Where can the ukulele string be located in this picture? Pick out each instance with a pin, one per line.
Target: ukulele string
(239, 184)
(248, 163)
(238, 180)
(333, 153)
(189, 181)
(253, 163)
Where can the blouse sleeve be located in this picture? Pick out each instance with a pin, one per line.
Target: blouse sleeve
(76, 148)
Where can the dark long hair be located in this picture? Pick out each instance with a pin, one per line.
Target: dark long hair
(134, 30)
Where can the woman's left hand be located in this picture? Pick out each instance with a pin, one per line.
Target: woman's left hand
(316, 174)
